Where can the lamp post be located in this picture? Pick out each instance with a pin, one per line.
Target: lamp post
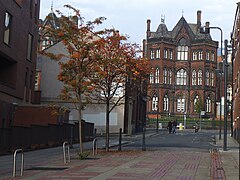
(157, 118)
(207, 31)
(225, 95)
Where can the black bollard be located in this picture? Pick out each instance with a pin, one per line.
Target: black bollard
(120, 140)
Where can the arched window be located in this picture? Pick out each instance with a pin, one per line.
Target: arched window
(165, 103)
(182, 50)
(196, 99)
(208, 104)
(181, 77)
(157, 75)
(199, 77)
(154, 103)
(194, 77)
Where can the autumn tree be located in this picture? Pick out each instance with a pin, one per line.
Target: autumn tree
(79, 66)
(117, 59)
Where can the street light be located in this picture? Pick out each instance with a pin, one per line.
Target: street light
(207, 31)
(225, 95)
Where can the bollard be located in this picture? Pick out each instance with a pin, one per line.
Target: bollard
(95, 132)
(66, 145)
(143, 139)
(14, 162)
(94, 146)
(120, 140)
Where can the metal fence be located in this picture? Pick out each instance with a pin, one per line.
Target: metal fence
(36, 137)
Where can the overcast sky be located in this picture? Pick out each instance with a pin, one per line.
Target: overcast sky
(130, 16)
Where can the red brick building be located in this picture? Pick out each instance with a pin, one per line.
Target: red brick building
(184, 64)
(18, 52)
(235, 39)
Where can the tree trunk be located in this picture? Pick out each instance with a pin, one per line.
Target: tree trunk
(107, 125)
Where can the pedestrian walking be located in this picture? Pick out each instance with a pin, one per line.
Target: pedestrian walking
(174, 126)
(170, 124)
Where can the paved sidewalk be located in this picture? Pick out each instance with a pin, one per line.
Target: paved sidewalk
(141, 165)
(128, 165)
(228, 160)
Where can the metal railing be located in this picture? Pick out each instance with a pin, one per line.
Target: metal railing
(94, 146)
(66, 146)
(14, 162)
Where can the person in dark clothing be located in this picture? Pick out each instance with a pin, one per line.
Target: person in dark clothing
(170, 127)
(174, 124)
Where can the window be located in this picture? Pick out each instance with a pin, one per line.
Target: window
(152, 54)
(182, 50)
(200, 55)
(170, 77)
(213, 56)
(165, 103)
(208, 56)
(155, 103)
(7, 28)
(158, 54)
(157, 75)
(151, 78)
(208, 104)
(181, 105)
(194, 77)
(37, 80)
(29, 46)
(182, 53)
(195, 55)
(199, 77)
(229, 93)
(170, 54)
(212, 79)
(196, 99)
(165, 76)
(207, 78)
(181, 77)
(165, 53)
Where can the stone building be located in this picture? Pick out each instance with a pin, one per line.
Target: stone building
(18, 53)
(184, 63)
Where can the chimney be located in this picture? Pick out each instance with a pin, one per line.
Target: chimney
(148, 27)
(199, 13)
(207, 24)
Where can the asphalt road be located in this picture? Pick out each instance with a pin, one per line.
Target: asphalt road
(186, 139)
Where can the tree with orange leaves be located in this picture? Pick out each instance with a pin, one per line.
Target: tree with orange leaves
(117, 60)
(77, 66)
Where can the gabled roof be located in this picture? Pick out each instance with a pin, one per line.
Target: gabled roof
(192, 30)
(182, 23)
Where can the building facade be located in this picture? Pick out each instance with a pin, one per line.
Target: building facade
(184, 63)
(235, 39)
(18, 52)
(47, 72)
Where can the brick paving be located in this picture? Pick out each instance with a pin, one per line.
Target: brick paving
(217, 171)
(127, 165)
